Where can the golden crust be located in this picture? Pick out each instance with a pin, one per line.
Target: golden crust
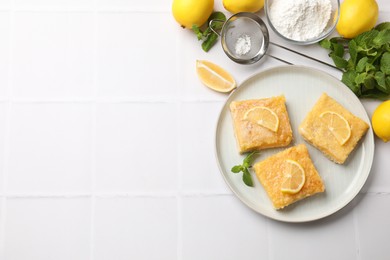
(251, 136)
(270, 174)
(317, 134)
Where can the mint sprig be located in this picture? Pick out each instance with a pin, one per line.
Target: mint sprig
(244, 168)
(366, 70)
(207, 36)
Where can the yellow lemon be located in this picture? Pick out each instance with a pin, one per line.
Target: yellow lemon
(356, 17)
(214, 76)
(381, 121)
(192, 12)
(236, 6)
(337, 125)
(264, 117)
(294, 177)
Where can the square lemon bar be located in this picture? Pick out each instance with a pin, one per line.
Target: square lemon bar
(332, 129)
(261, 123)
(274, 171)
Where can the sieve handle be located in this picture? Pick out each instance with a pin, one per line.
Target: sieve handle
(304, 55)
(211, 27)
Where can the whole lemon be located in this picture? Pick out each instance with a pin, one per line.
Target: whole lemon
(381, 121)
(192, 12)
(236, 6)
(356, 17)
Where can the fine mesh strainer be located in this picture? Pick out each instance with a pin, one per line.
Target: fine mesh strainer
(249, 24)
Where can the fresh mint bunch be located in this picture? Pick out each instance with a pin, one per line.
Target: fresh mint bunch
(244, 168)
(208, 37)
(364, 60)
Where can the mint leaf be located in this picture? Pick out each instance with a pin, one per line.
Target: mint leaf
(217, 25)
(369, 82)
(348, 79)
(359, 79)
(382, 38)
(248, 159)
(338, 61)
(247, 178)
(365, 39)
(338, 49)
(197, 31)
(381, 80)
(361, 65)
(375, 94)
(326, 44)
(236, 169)
(352, 46)
(244, 168)
(383, 26)
(385, 63)
(209, 42)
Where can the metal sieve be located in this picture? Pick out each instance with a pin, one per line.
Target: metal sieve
(250, 24)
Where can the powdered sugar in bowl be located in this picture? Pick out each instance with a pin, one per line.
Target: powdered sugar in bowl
(302, 21)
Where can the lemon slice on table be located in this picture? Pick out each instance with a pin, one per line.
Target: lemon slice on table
(215, 77)
(294, 177)
(264, 117)
(337, 125)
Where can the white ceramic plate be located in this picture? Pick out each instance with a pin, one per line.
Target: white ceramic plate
(302, 86)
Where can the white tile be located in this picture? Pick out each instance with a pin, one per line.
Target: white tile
(136, 61)
(136, 147)
(164, 5)
(135, 228)
(54, 3)
(221, 227)
(4, 53)
(53, 54)
(47, 229)
(3, 126)
(372, 212)
(331, 238)
(379, 178)
(50, 147)
(198, 165)
(5, 4)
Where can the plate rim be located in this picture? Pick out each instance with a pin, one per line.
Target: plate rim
(357, 189)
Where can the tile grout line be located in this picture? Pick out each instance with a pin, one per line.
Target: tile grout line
(125, 194)
(7, 135)
(94, 134)
(179, 242)
(179, 184)
(269, 243)
(109, 100)
(357, 236)
(47, 9)
(137, 194)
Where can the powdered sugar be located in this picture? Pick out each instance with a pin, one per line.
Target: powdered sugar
(300, 20)
(243, 45)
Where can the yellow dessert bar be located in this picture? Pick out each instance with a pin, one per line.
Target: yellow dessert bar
(274, 130)
(322, 135)
(272, 171)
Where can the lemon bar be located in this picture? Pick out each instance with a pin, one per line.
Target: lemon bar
(272, 171)
(261, 123)
(335, 141)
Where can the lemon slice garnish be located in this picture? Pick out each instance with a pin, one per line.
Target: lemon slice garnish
(264, 117)
(293, 178)
(215, 77)
(337, 125)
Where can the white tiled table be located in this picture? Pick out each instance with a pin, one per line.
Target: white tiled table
(107, 145)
